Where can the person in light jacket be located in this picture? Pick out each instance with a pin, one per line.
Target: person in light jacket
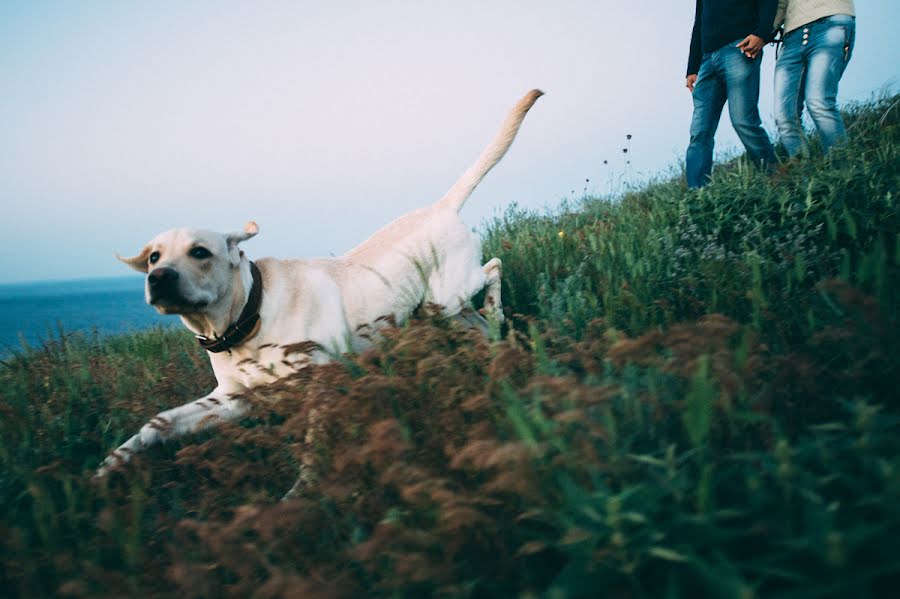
(818, 43)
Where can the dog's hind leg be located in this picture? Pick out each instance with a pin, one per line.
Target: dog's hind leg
(491, 316)
(493, 308)
(470, 319)
(194, 416)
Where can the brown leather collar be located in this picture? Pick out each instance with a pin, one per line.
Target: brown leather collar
(247, 324)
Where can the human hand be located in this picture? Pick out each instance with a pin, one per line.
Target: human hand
(689, 83)
(751, 46)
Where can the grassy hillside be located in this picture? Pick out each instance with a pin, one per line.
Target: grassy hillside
(697, 398)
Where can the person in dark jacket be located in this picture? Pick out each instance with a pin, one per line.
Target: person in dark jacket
(724, 62)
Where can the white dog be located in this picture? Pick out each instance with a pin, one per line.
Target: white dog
(246, 313)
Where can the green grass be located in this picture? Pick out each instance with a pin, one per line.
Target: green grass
(697, 398)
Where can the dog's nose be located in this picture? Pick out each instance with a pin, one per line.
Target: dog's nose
(162, 276)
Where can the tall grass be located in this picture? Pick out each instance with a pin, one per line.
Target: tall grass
(749, 244)
(697, 396)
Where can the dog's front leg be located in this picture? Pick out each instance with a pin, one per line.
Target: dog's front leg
(194, 416)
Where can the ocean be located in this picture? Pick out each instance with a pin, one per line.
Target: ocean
(33, 312)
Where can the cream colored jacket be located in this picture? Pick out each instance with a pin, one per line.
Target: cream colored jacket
(797, 13)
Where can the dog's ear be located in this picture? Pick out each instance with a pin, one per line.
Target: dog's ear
(236, 237)
(139, 262)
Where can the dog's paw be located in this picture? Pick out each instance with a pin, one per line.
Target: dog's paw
(122, 454)
(112, 462)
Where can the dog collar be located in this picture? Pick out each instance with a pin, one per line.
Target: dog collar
(247, 324)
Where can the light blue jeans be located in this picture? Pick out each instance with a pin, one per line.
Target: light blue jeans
(809, 69)
(725, 75)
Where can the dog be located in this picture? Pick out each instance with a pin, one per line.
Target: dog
(246, 313)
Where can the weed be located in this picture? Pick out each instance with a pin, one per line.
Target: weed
(696, 397)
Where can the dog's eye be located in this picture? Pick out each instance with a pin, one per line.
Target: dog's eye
(154, 257)
(200, 253)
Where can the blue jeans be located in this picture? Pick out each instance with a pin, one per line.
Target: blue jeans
(725, 75)
(811, 64)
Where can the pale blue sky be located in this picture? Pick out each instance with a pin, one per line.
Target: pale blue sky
(324, 120)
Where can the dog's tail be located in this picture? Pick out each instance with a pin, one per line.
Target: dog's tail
(491, 155)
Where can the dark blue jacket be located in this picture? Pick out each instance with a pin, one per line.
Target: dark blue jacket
(719, 22)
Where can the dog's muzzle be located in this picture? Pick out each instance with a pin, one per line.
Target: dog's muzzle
(162, 284)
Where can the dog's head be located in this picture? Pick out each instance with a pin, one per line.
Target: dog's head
(189, 270)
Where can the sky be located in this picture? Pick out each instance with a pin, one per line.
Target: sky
(323, 121)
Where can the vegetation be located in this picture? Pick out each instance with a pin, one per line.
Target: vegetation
(697, 398)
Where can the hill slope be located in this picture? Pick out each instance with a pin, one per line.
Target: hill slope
(698, 398)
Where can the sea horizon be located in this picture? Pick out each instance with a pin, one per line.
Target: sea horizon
(34, 312)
